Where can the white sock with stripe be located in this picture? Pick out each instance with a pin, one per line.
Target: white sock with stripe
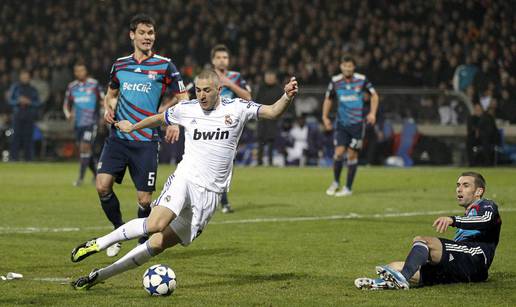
(134, 258)
(130, 230)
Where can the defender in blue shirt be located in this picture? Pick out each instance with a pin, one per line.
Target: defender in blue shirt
(233, 86)
(466, 258)
(347, 90)
(138, 83)
(81, 105)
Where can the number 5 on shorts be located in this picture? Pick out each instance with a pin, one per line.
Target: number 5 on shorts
(152, 178)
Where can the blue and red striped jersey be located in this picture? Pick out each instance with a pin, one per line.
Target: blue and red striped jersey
(84, 98)
(236, 78)
(142, 86)
(349, 93)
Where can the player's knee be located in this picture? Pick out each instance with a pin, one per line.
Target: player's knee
(352, 156)
(156, 225)
(103, 190)
(419, 239)
(144, 201)
(156, 243)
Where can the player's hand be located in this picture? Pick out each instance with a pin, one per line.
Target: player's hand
(124, 126)
(291, 88)
(224, 81)
(371, 118)
(172, 133)
(327, 124)
(109, 116)
(442, 223)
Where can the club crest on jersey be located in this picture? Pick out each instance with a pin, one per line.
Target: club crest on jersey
(152, 74)
(227, 120)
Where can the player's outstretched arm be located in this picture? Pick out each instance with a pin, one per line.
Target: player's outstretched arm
(149, 122)
(279, 107)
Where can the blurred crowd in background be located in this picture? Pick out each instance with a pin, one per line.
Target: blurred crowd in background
(468, 46)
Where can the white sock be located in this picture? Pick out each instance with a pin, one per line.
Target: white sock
(130, 230)
(135, 257)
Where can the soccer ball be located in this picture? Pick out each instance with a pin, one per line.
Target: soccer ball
(159, 279)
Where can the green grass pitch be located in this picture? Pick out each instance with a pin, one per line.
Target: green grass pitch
(287, 244)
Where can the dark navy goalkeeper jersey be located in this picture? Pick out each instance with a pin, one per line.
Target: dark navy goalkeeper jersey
(142, 86)
(481, 223)
(349, 95)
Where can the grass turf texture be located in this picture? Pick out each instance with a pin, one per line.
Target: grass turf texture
(240, 260)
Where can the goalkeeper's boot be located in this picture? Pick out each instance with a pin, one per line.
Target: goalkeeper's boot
(86, 282)
(389, 274)
(365, 283)
(84, 250)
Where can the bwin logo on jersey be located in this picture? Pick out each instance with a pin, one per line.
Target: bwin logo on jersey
(139, 87)
(210, 135)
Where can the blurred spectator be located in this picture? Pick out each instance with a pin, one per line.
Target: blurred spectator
(473, 135)
(40, 83)
(464, 75)
(507, 107)
(23, 98)
(489, 137)
(486, 99)
(298, 134)
(447, 112)
(267, 130)
(483, 137)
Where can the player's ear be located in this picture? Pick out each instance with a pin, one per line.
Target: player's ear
(131, 35)
(479, 192)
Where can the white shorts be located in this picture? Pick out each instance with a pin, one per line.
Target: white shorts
(192, 204)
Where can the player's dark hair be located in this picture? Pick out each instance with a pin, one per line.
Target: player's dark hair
(348, 58)
(80, 63)
(141, 18)
(480, 182)
(217, 48)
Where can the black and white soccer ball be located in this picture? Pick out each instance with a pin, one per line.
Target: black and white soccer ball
(159, 279)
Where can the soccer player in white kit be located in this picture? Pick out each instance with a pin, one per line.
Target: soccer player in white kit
(213, 126)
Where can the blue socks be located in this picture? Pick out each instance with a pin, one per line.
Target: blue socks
(224, 199)
(143, 212)
(417, 257)
(337, 169)
(352, 170)
(111, 207)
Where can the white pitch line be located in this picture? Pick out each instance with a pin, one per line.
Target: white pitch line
(349, 216)
(53, 279)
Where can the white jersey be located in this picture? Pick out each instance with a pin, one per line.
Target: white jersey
(211, 139)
